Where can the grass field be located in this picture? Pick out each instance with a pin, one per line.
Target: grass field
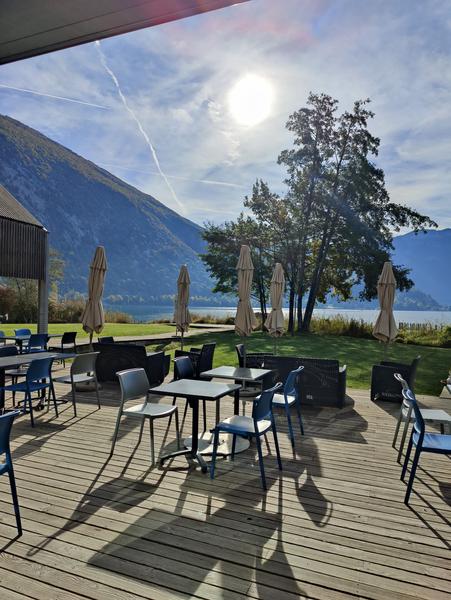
(358, 354)
(114, 329)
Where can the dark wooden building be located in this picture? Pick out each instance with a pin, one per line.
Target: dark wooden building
(24, 249)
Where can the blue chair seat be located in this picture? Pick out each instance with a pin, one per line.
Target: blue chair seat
(23, 387)
(242, 425)
(279, 399)
(433, 442)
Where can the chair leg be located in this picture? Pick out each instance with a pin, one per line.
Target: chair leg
(152, 442)
(74, 400)
(97, 392)
(52, 389)
(398, 425)
(28, 401)
(413, 470)
(276, 444)
(116, 431)
(12, 482)
(260, 461)
(141, 429)
(177, 427)
(403, 439)
(290, 426)
(406, 459)
(232, 456)
(215, 452)
(301, 423)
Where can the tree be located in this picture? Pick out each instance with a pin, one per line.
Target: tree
(223, 249)
(341, 201)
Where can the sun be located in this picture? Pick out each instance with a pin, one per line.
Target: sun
(250, 100)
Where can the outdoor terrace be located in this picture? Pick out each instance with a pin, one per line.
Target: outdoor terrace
(333, 525)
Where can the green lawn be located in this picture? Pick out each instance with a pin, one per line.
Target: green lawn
(114, 329)
(358, 354)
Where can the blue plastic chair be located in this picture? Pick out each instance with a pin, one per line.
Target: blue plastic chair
(22, 343)
(37, 379)
(261, 421)
(6, 422)
(22, 331)
(288, 398)
(424, 442)
(37, 342)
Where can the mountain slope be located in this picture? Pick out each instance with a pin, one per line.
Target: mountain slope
(428, 255)
(83, 206)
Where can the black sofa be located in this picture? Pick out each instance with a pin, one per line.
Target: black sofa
(119, 357)
(322, 381)
(384, 386)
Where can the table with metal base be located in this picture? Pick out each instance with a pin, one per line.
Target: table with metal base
(16, 360)
(195, 390)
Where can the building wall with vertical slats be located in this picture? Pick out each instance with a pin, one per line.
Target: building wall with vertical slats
(22, 249)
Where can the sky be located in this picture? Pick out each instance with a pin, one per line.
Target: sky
(167, 108)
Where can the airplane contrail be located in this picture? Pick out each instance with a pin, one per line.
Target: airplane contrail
(138, 122)
(206, 181)
(36, 93)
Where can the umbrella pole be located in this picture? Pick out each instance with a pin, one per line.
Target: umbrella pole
(181, 342)
(90, 340)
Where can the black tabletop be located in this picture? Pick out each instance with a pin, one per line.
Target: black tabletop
(238, 373)
(23, 359)
(194, 388)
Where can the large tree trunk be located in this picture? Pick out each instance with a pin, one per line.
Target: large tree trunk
(319, 268)
(291, 309)
(300, 319)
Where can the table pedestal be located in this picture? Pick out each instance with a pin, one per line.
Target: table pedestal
(205, 444)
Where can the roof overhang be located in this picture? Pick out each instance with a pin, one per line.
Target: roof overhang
(39, 26)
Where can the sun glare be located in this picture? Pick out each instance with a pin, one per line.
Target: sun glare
(250, 100)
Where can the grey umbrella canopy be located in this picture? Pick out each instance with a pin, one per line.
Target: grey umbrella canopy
(385, 327)
(275, 323)
(182, 318)
(245, 320)
(93, 317)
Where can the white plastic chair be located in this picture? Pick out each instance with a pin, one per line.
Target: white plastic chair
(430, 415)
(134, 385)
(82, 370)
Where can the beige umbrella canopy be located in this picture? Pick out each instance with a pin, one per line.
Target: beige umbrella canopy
(93, 317)
(385, 328)
(245, 320)
(275, 323)
(182, 317)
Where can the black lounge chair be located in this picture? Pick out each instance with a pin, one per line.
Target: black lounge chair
(384, 385)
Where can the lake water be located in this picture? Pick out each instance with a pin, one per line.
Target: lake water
(141, 312)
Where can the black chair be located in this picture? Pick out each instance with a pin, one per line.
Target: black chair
(67, 344)
(184, 369)
(384, 385)
(106, 340)
(202, 358)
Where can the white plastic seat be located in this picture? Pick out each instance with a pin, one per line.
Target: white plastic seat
(279, 399)
(246, 424)
(406, 416)
(82, 370)
(135, 384)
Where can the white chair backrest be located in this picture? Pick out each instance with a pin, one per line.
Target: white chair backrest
(134, 384)
(84, 363)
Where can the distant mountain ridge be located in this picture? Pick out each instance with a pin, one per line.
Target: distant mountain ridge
(83, 206)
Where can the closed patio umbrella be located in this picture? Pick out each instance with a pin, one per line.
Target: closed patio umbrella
(93, 317)
(275, 323)
(182, 317)
(245, 320)
(385, 327)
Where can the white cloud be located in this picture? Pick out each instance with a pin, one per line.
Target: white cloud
(177, 77)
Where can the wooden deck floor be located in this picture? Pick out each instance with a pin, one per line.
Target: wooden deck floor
(332, 526)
